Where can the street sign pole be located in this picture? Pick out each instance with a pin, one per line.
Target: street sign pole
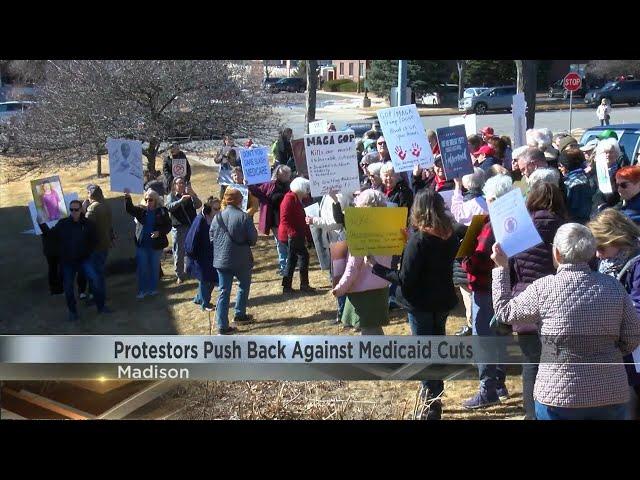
(572, 82)
(402, 82)
(570, 110)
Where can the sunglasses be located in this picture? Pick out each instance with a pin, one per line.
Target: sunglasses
(74, 209)
(382, 143)
(149, 200)
(622, 184)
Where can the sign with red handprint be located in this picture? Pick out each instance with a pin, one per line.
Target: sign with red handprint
(406, 138)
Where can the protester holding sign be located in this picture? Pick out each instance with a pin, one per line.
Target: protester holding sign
(464, 207)
(395, 188)
(434, 178)
(582, 376)
(182, 167)
(425, 278)
(366, 294)
(182, 204)
(478, 267)
(270, 196)
(293, 230)
(153, 225)
(253, 205)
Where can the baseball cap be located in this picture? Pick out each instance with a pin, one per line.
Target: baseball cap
(608, 134)
(487, 131)
(564, 142)
(590, 145)
(486, 149)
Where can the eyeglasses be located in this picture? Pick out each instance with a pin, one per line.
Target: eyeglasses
(622, 185)
(74, 209)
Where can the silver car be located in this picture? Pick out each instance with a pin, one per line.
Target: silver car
(496, 98)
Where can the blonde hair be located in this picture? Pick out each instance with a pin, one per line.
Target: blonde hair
(612, 228)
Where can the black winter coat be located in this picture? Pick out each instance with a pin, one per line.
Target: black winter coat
(162, 223)
(74, 241)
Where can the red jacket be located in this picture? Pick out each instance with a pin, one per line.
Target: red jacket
(292, 216)
(479, 264)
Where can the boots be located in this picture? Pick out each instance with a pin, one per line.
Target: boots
(304, 282)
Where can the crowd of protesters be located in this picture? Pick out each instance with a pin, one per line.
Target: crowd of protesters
(589, 229)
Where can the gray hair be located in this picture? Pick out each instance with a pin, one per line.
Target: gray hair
(533, 155)
(608, 144)
(374, 168)
(153, 194)
(280, 169)
(548, 175)
(371, 198)
(387, 168)
(497, 186)
(575, 243)
(474, 180)
(300, 185)
(539, 138)
(518, 151)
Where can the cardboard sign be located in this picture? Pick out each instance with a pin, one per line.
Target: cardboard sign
(454, 149)
(512, 224)
(332, 162)
(125, 165)
(468, 244)
(469, 121)
(255, 165)
(33, 213)
(300, 157)
(406, 138)
(48, 199)
(375, 230)
(319, 126)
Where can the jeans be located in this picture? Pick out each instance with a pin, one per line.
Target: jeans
(492, 377)
(178, 235)
(69, 271)
(531, 349)
(148, 262)
(604, 121)
(55, 275)
(429, 323)
(225, 282)
(283, 251)
(341, 301)
(395, 261)
(99, 259)
(297, 251)
(203, 296)
(607, 412)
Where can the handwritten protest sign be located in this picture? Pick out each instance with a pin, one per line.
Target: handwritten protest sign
(34, 213)
(375, 230)
(511, 223)
(469, 241)
(332, 162)
(454, 149)
(125, 165)
(300, 156)
(319, 126)
(469, 121)
(602, 172)
(255, 165)
(405, 136)
(245, 194)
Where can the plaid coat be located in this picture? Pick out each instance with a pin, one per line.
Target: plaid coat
(588, 322)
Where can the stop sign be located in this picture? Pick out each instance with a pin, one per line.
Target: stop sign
(572, 82)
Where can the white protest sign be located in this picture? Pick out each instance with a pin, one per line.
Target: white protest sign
(125, 165)
(245, 194)
(405, 136)
(34, 214)
(447, 196)
(178, 167)
(519, 130)
(511, 223)
(255, 165)
(469, 121)
(312, 210)
(602, 172)
(332, 162)
(319, 126)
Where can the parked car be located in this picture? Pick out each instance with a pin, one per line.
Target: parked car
(10, 109)
(495, 98)
(628, 137)
(445, 94)
(267, 82)
(359, 128)
(557, 89)
(627, 91)
(293, 84)
(473, 91)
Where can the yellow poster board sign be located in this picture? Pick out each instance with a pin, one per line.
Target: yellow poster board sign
(469, 241)
(375, 230)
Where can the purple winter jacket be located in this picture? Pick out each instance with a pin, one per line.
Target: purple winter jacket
(631, 281)
(537, 262)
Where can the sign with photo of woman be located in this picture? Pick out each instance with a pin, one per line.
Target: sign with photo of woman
(49, 199)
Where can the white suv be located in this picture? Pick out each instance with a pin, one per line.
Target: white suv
(9, 109)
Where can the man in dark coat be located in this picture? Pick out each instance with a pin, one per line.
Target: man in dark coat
(167, 167)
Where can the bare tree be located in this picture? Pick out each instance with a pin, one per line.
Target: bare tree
(312, 86)
(461, 67)
(614, 68)
(82, 103)
(527, 82)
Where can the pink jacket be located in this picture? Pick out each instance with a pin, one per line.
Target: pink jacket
(463, 212)
(358, 276)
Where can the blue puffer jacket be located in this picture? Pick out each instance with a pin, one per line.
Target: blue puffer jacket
(579, 195)
(632, 209)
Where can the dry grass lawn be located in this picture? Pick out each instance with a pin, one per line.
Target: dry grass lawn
(27, 308)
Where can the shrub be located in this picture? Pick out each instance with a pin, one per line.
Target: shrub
(342, 85)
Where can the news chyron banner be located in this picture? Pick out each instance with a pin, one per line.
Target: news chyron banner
(246, 357)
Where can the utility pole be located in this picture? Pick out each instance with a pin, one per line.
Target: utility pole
(402, 82)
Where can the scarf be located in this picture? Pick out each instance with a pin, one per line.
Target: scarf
(612, 266)
(471, 194)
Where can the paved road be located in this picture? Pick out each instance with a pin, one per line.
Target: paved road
(502, 123)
